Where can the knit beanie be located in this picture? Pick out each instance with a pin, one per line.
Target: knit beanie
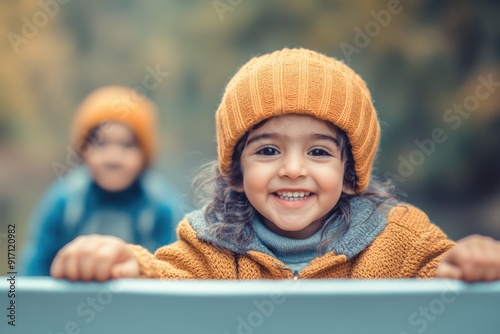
(117, 104)
(299, 81)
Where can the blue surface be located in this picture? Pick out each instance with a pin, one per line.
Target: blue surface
(44, 305)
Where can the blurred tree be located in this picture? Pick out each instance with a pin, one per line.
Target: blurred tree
(419, 60)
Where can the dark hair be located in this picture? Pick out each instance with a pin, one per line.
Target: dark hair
(96, 134)
(229, 212)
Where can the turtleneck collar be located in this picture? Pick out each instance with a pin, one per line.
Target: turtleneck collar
(296, 253)
(124, 195)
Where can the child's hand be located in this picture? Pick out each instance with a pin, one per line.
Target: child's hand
(95, 257)
(474, 258)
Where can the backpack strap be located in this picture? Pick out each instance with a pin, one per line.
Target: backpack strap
(77, 185)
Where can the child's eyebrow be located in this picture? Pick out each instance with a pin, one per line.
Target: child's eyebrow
(262, 136)
(321, 136)
(316, 136)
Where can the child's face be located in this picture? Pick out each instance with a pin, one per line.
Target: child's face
(293, 173)
(114, 157)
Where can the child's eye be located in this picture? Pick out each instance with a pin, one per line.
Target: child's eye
(268, 151)
(129, 145)
(319, 152)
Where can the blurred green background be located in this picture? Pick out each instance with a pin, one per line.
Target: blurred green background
(422, 60)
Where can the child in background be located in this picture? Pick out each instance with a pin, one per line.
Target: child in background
(291, 196)
(115, 191)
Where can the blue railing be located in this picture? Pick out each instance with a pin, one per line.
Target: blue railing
(48, 306)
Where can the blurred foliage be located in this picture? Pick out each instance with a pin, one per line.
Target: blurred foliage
(420, 61)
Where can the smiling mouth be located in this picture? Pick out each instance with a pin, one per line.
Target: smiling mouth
(292, 196)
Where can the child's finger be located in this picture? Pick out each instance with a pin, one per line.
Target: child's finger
(128, 269)
(87, 264)
(64, 265)
(102, 271)
(491, 274)
(71, 267)
(473, 272)
(491, 265)
(492, 261)
(105, 258)
(56, 267)
(447, 270)
(84, 256)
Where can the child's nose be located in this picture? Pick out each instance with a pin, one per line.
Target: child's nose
(113, 154)
(293, 166)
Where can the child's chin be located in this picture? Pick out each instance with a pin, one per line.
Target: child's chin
(113, 187)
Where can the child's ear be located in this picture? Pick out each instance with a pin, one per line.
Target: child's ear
(238, 187)
(347, 189)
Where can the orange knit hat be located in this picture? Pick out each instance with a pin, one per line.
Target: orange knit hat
(299, 81)
(117, 104)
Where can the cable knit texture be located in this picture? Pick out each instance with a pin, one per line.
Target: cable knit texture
(401, 244)
(305, 82)
(410, 246)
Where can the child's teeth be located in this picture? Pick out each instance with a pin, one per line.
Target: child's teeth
(293, 196)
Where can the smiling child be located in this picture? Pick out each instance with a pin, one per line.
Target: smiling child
(115, 191)
(291, 195)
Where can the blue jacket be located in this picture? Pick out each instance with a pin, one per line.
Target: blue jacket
(146, 214)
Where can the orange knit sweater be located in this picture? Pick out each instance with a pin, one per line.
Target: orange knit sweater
(410, 246)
